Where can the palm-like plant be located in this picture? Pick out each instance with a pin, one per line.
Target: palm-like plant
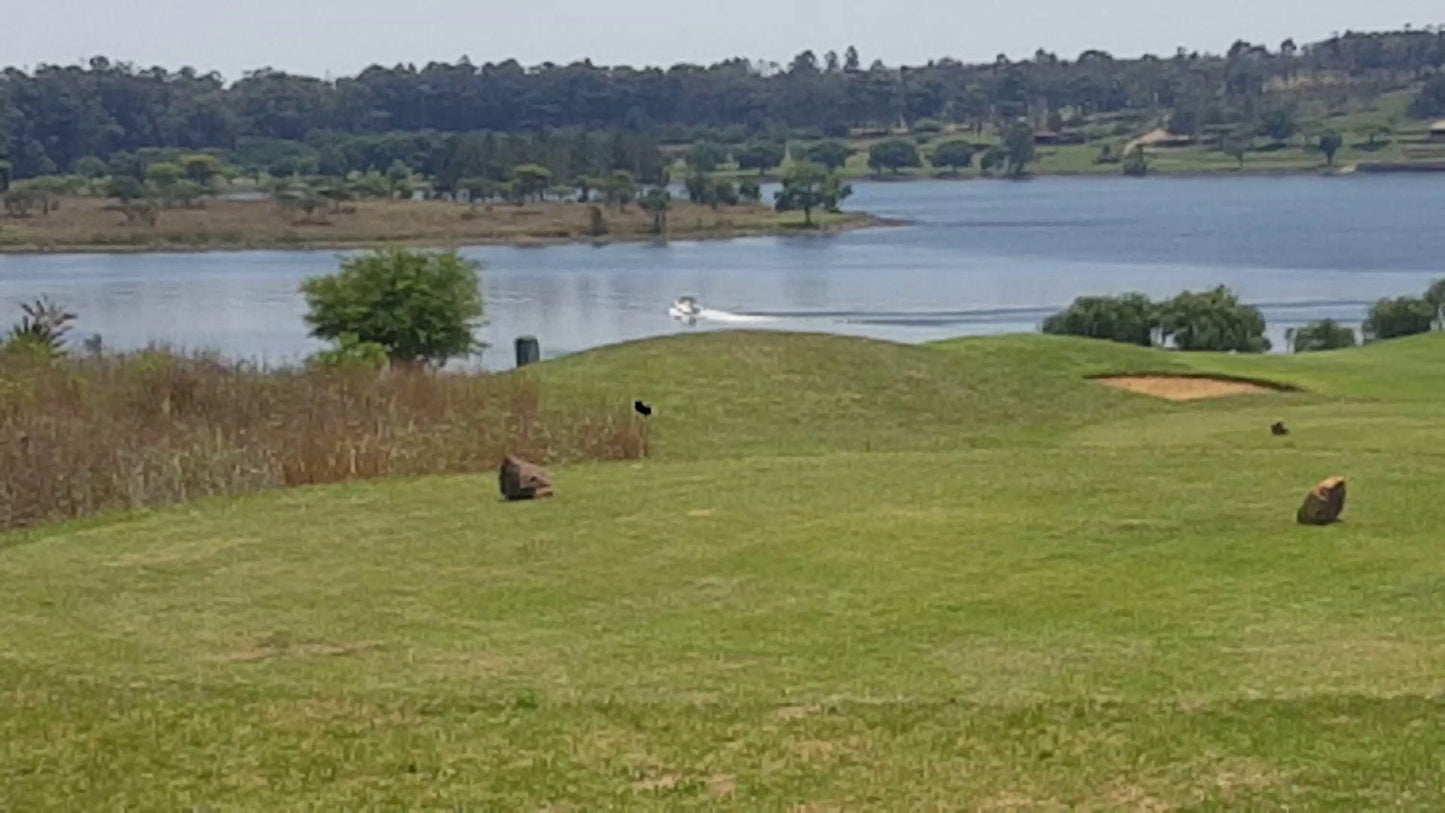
(43, 322)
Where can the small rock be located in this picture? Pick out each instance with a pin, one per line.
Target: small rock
(1324, 503)
(520, 480)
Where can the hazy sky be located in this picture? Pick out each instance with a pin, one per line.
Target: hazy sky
(327, 36)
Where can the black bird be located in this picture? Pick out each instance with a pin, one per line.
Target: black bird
(1279, 428)
(642, 409)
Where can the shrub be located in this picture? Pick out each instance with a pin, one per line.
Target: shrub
(349, 353)
(420, 306)
(1130, 319)
(1212, 320)
(1316, 336)
(42, 324)
(1136, 165)
(1402, 316)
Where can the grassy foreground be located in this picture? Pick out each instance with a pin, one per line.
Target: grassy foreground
(90, 224)
(854, 575)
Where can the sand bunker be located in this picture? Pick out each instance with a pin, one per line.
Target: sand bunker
(1180, 388)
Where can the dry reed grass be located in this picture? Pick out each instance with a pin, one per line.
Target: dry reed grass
(84, 435)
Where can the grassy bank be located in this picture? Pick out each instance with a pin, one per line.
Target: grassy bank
(90, 224)
(852, 575)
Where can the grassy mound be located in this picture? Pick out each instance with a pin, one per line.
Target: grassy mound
(855, 575)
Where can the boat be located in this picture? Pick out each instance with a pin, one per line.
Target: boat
(685, 308)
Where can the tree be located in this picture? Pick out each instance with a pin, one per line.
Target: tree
(1020, 145)
(201, 169)
(993, 158)
(893, 155)
(831, 154)
(90, 167)
(749, 190)
(1316, 336)
(724, 193)
(619, 188)
(1212, 320)
(6, 170)
(1130, 319)
(1402, 316)
(164, 176)
(657, 202)
(398, 177)
(422, 307)
(1436, 297)
(760, 155)
(851, 63)
(706, 156)
(955, 155)
(1330, 143)
(532, 181)
(1236, 146)
(1431, 101)
(1136, 163)
(809, 186)
(1278, 124)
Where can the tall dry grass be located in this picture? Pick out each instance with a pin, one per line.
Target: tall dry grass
(84, 435)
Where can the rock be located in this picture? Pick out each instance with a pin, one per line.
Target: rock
(1324, 503)
(520, 480)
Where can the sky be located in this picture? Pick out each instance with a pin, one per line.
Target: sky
(326, 37)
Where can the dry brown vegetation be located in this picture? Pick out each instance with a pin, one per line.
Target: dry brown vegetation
(92, 223)
(83, 435)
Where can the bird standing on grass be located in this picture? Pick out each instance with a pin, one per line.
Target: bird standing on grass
(642, 409)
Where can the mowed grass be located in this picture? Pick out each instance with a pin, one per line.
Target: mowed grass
(854, 575)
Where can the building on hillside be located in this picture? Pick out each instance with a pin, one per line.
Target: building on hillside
(1437, 131)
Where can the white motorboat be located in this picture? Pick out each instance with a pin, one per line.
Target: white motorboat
(685, 308)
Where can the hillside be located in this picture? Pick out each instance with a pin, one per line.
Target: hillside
(854, 574)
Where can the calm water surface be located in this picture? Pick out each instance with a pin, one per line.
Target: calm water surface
(982, 257)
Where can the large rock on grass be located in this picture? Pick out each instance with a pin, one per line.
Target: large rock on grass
(1324, 503)
(520, 480)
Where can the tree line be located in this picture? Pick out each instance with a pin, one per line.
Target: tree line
(1215, 320)
(56, 115)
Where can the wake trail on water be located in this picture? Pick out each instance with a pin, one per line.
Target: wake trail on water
(733, 318)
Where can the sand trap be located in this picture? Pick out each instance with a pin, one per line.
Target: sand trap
(1180, 388)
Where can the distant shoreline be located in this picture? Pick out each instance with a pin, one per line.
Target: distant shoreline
(85, 226)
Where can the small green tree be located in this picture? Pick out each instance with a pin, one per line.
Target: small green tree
(699, 187)
(750, 190)
(808, 186)
(1278, 124)
(532, 180)
(164, 176)
(202, 169)
(90, 167)
(706, 156)
(1236, 145)
(398, 177)
(956, 155)
(992, 159)
(1436, 297)
(831, 154)
(349, 352)
(657, 202)
(1402, 316)
(1136, 163)
(893, 155)
(1212, 320)
(1329, 144)
(620, 189)
(1129, 319)
(1019, 141)
(760, 155)
(423, 307)
(1317, 336)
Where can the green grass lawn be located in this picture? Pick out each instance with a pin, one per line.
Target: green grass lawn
(853, 575)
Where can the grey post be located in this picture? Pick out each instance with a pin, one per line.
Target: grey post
(529, 350)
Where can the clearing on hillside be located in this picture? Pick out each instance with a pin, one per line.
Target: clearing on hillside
(1184, 388)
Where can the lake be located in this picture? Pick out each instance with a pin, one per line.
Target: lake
(981, 257)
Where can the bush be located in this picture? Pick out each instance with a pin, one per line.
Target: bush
(1318, 336)
(1212, 320)
(1136, 165)
(349, 353)
(1402, 316)
(420, 306)
(893, 155)
(1130, 319)
(928, 126)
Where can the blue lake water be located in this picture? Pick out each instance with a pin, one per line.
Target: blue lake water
(981, 257)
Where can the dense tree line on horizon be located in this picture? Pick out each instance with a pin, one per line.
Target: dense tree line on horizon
(53, 117)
